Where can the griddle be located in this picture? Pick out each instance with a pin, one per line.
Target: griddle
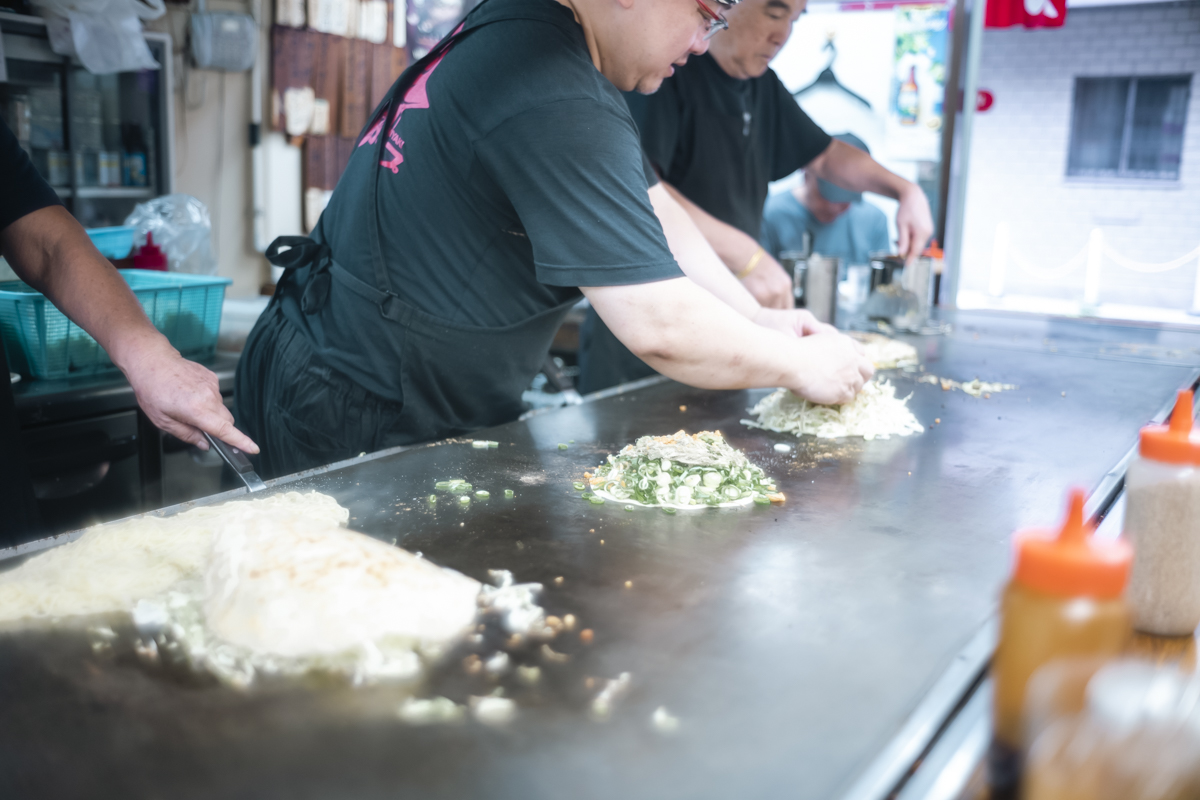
(809, 650)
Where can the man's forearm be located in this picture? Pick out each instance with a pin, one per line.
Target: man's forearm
(684, 332)
(735, 247)
(51, 252)
(855, 170)
(696, 256)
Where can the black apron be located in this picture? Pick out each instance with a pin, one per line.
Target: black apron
(455, 378)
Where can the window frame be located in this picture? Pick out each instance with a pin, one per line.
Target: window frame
(1122, 173)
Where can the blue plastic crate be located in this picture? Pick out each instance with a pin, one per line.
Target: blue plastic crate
(114, 243)
(42, 343)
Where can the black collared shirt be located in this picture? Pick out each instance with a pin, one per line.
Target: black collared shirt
(720, 140)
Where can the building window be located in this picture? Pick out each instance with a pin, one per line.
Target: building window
(1128, 127)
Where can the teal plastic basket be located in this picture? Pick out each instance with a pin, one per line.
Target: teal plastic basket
(42, 343)
(113, 242)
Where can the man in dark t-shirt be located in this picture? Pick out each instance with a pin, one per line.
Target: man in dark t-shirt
(500, 179)
(51, 252)
(717, 133)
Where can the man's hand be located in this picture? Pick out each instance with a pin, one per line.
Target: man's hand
(914, 222)
(182, 398)
(796, 321)
(770, 284)
(835, 370)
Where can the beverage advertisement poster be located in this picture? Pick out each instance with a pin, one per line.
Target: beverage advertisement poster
(914, 119)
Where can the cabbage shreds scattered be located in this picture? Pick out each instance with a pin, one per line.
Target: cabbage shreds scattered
(876, 413)
(975, 388)
(886, 353)
(682, 471)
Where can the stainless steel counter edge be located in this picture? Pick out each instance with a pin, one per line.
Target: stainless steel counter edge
(894, 768)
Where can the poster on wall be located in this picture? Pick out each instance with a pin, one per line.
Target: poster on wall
(914, 119)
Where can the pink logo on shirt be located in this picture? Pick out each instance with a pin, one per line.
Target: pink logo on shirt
(415, 97)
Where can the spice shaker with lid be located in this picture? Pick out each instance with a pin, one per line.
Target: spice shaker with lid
(1162, 520)
(1065, 599)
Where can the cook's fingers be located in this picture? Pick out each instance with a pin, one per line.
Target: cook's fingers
(866, 369)
(806, 323)
(182, 431)
(229, 433)
(219, 423)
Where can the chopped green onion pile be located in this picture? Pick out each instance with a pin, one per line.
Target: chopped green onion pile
(483, 493)
(508, 493)
(683, 470)
(562, 445)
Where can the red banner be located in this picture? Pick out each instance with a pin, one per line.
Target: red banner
(1030, 13)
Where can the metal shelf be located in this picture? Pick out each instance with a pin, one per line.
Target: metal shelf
(93, 192)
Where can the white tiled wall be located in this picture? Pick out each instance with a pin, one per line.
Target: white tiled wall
(1019, 155)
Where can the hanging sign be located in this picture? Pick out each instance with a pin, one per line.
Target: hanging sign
(1030, 13)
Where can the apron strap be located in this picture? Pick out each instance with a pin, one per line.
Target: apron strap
(296, 252)
(384, 113)
(292, 252)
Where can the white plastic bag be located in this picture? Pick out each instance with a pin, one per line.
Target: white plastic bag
(106, 35)
(181, 227)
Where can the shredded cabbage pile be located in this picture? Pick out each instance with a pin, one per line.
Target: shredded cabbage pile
(876, 413)
(886, 353)
(682, 471)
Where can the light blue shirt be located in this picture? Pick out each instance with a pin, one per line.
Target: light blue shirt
(862, 230)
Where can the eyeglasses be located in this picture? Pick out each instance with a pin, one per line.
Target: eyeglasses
(716, 23)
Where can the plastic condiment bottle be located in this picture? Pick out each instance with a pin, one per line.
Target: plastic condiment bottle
(150, 255)
(1065, 599)
(1162, 521)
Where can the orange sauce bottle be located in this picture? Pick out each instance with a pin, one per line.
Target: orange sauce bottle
(1065, 600)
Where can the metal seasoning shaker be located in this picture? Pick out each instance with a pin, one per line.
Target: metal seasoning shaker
(1065, 600)
(820, 287)
(795, 263)
(1162, 521)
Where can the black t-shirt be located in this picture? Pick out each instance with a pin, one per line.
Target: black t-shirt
(24, 190)
(720, 140)
(513, 176)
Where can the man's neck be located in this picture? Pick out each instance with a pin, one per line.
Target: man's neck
(800, 192)
(588, 33)
(725, 62)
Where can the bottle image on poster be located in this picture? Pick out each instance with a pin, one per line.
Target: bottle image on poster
(914, 117)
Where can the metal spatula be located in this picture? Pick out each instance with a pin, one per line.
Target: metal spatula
(237, 459)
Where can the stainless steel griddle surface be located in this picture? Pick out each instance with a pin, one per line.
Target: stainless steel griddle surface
(792, 642)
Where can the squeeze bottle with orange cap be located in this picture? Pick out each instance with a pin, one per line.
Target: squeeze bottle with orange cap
(1065, 599)
(1162, 520)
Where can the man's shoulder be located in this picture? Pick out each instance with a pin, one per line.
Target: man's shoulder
(514, 65)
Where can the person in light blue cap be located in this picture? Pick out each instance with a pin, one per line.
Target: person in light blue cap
(841, 224)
